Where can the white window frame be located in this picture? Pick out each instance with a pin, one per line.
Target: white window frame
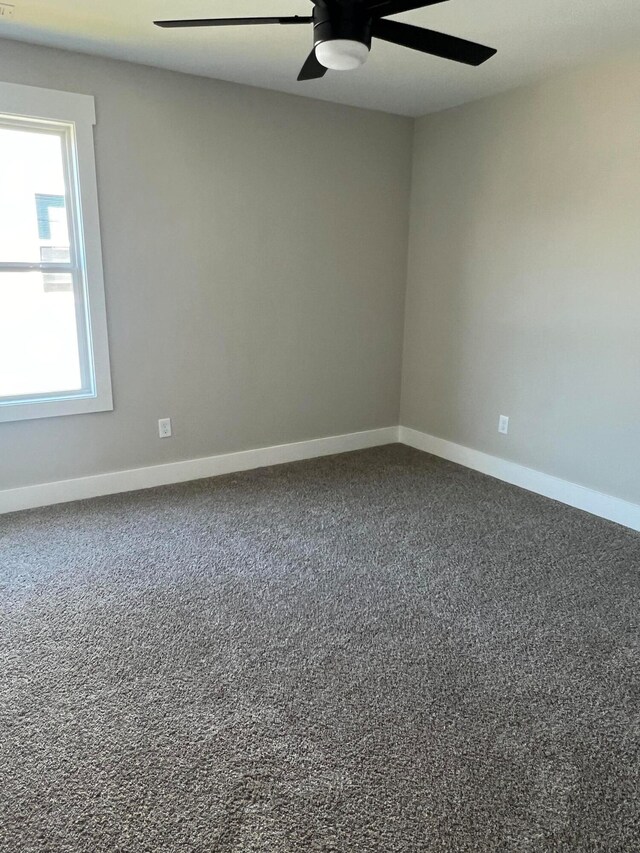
(74, 116)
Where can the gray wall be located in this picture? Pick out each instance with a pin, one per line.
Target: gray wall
(524, 277)
(255, 262)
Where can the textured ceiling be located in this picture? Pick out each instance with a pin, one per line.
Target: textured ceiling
(533, 38)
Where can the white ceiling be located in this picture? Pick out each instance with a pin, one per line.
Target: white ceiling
(533, 38)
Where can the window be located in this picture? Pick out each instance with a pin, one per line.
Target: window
(53, 336)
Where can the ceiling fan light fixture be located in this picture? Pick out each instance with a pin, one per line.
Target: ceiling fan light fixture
(343, 29)
(342, 54)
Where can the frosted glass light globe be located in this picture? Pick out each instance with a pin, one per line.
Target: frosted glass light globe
(341, 54)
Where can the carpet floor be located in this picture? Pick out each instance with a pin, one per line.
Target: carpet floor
(376, 652)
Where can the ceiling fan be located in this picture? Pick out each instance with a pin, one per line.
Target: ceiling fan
(343, 29)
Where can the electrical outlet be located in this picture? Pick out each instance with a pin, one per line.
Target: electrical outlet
(164, 427)
(6, 11)
(503, 424)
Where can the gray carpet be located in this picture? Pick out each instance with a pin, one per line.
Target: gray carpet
(368, 653)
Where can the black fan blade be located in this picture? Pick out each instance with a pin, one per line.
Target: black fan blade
(382, 8)
(428, 41)
(312, 69)
(231, 22)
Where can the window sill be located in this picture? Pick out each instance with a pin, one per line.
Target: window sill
(54, 408)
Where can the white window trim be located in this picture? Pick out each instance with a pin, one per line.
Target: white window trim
(78, 111)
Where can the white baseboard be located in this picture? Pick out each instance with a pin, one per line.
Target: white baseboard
(43, 494)
(589, 500)
(596, 503)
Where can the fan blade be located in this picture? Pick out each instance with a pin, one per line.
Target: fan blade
(312, 69)
(428, 41)
(382, 8)
(231, 22)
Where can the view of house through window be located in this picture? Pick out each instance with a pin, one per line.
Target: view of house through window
(43, 350)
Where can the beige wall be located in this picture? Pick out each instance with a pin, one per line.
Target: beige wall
(255, 261)
(524, 277)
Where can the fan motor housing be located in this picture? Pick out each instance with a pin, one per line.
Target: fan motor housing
(350, 21)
